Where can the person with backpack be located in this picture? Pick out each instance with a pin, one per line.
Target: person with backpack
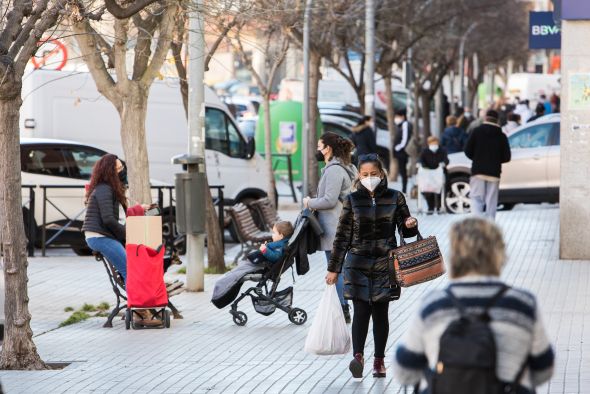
(479, 335)
(402, 140)
(335, 184)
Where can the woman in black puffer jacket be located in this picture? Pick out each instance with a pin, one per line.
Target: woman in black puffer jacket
(370, 219)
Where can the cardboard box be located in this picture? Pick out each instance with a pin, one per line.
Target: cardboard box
(144, 230)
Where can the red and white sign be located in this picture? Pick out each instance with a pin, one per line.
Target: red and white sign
(51, 55)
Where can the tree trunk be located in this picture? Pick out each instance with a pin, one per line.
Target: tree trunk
(315, 61)
(215, 252)
(18, 349)
(268, 149)
(133, 113)
(393, 169)
(425, 115)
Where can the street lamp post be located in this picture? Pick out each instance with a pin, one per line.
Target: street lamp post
(196, 141)
(305, 142)
(370, 58)
(462, 61)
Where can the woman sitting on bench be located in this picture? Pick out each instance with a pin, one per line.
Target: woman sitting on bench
(101, 227)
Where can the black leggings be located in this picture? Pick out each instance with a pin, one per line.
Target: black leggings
(402, 163)
(360, 326)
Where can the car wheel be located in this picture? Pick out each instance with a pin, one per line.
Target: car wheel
(457, 196)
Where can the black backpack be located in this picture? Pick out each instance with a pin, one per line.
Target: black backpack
(467, 355)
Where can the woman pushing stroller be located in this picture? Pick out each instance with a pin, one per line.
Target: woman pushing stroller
(365, 234)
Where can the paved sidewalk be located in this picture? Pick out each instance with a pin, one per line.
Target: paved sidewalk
(206, 352)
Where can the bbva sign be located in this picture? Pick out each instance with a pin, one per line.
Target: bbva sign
(543, 33)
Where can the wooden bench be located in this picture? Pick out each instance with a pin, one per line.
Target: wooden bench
(249, 235)
(266, 212)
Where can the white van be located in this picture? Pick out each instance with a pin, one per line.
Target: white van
(66, 105)
(531, 86)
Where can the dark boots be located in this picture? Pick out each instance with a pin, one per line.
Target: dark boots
(378, 368)
(346, 311)
(356, 366)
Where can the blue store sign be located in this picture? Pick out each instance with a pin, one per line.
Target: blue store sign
(543, 33)
(575, 9)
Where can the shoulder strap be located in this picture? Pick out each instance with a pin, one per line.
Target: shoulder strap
(456, 302)
(490, 303)
(503, 289)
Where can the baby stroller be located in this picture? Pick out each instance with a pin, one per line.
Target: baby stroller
(265, 297)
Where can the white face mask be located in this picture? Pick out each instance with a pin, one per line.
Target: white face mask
(467, 114)
(371, 182)
(398, 120)
(433, 147)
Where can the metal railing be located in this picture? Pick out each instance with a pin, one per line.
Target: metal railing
(288, 158)
(72, 221)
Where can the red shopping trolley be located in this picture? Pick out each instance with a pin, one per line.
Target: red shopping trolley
(145, 286)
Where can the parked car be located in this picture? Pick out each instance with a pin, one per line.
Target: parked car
(248, 126)
(343, 126)
(532, 176)
(243, 107)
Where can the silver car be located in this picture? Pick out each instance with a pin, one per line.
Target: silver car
(532, 176)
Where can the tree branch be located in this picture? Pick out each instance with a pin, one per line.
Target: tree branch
(120, 51)
(218, 41)
(86, 39)
(164, 40)
(13, 27)
(123, 13)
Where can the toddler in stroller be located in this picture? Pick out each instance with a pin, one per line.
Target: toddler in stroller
(273, 252)
(265, 267)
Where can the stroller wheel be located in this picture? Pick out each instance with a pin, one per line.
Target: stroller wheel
(240, 318)
(297, 316)
(167, 319)
(127, 319)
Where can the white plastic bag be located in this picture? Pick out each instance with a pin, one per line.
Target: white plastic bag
(328, 333)
(431, 181)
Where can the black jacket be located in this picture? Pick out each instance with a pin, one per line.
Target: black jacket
(365, 235)
(400, 151)
(364, 140)
(102, 213)
(431, 160)
(488, 148)
(309, 241)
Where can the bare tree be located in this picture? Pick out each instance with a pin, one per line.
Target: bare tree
(128, 90)
(274, 50)
(218, 16)
(24, 23)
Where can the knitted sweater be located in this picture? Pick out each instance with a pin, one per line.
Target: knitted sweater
(516, 324)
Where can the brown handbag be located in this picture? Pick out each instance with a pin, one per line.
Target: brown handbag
(415, 262)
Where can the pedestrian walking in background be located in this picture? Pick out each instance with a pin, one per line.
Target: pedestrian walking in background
(453, 138)
(487, 147)
(477, 122)
(363, 137)
(435, 349)
(546, 103)
(524, 111)
(431, 158)
(402, 139)
(335, 184)
(465, 119)
(539, 111)
(513, 123)
(555, 103)
(366, 233)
